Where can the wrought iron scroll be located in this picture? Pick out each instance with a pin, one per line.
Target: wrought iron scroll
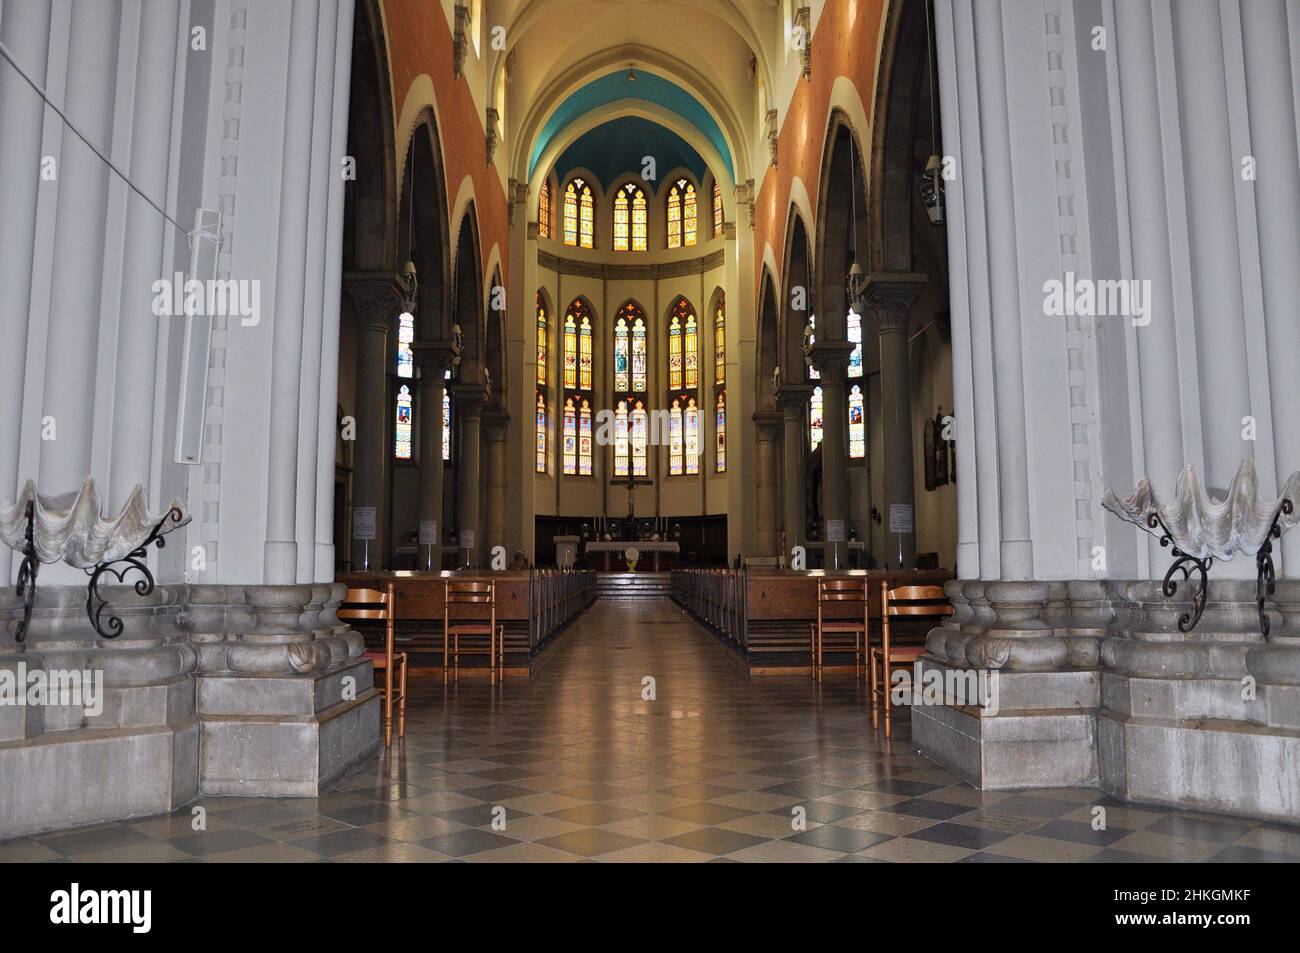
(106, 624)
(1186, 564)
(27, 570)
(1265, 576)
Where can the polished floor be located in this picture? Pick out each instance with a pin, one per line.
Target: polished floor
(579, 764)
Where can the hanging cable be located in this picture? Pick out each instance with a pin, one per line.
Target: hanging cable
(4, 51)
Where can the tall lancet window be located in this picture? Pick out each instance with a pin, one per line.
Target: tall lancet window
(719, 385)
(857, 419)
(446, 416)
(576, 441)
(544, 211)
(682, 214)
(579, 214)
(684, 378)
(631, 385)
(815, 419)
(404, 410)
(543, 372)
(717, 210)
(629, 218)
(720, 434)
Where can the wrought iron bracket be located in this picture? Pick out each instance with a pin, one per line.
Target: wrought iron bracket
(1186, 564)
(1265, 576)
(106, 624)
(27, 571)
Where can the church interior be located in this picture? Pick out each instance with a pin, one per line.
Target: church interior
(652, 431)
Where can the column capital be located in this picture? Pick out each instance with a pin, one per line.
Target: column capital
(891, 294)
(793, 396)
(832, 357)
(469, 398)
(432, 357)
(768, 420)
(372, 296)
(494, 424)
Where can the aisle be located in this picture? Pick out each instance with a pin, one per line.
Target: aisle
(716, 766)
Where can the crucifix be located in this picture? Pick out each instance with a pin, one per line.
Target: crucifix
(630, 483)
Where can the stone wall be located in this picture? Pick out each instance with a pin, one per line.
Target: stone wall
(211, 690)
(1097, 686)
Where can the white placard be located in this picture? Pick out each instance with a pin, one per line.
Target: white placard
(467, 539)
(835, 531)
(900, 517)
(363, 522)
(428, 532)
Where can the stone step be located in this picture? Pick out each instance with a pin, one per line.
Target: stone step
(634, 585)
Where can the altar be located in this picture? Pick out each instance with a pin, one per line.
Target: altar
(642, 546)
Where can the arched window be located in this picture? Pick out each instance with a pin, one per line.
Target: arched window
(404, 412)
(683, 347)
(543, 376)
(683, 436)
(579, 214)
(544, 210)
(720, 342)
(815, 419)
(631, 385)
(629, 219)
(813, 373)
(692, 437)
(405, 417)
(855, 338)
(720, 425)
(717, 210)
(857, 426)
(542, 423)
(682, 214)
(576, 450)
(543, 343)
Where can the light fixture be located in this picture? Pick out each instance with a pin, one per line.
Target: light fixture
(631, 75)
(931, 188)
(855, 287)
(407, 286)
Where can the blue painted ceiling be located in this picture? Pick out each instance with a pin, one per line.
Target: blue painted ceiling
(620, 146)
(647, 87)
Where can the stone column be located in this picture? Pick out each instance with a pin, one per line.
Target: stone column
(891, 296)
(375, 305)
(767, 505)
(469, 487)
(793, 400)
(433, 358)
(495, 424)
(832, 360)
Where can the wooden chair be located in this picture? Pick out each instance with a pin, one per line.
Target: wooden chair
(841, 591)
(465, 593)
(911, 601)
(371, 604)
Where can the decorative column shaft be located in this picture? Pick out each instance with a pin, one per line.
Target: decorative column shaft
(793, 401)
(767, 443)
(832, 360)
(433, 358)
(469, 488)
(891, 297)
(375, 305)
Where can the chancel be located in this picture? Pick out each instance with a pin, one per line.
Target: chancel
(654, 431)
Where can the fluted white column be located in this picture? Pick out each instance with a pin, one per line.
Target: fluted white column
(24, 29)
(280, 556)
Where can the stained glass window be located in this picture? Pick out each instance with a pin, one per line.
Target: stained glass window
(446, 416)
(622, 356)
(543, 342)
(541, 433)
(675, 438)
(544, 211)
(570, 350)
(584, 439)
(570, 437)
(813, 373)
(584, 354)
(692, 352)
(815, 418)
(629, 219)
(579, 213)
(405, 335)
(674, 352)
(620, 439)
(682, 214)
(640, 438)
(404, 420)
(720, 342)
(855, 338)
(692, 437)
(857, 426)
(717, 210)
(720, 423)
(639, 366)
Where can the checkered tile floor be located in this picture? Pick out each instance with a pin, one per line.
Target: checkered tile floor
(713, 769)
